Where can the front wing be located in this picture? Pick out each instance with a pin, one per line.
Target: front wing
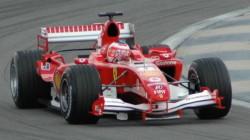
(153, 111)
(161, 110)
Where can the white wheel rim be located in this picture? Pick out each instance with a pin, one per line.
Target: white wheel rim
(14, 81)
(65, 99)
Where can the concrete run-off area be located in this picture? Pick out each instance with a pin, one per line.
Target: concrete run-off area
(229, 40)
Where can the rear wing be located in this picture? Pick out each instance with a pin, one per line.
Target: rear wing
(72, 33)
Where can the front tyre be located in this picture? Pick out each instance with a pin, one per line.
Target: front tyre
(80, 87)
(211, 73)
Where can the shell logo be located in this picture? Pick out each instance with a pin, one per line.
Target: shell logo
(115, 73)
(57, 80)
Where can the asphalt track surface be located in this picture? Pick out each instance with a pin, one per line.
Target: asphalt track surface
(155, 20)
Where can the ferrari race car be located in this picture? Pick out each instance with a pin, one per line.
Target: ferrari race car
(118, 77)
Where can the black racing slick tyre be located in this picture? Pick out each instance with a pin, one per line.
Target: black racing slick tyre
(80, 87)
(26, 86)
(211, 73)
(145, 49)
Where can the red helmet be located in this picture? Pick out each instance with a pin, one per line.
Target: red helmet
(118, 52)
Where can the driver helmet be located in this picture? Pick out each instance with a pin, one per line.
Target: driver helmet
(118, 51)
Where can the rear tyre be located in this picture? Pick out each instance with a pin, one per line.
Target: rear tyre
(80, 87)
(26, 85)
(146, 48)
(211, 73)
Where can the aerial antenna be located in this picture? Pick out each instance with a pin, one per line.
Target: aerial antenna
(110, 14)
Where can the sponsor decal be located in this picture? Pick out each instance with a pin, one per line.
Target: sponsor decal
(165, 63)
(150, 73)
(159, 92)
(115, 73)
(158, 87)
(45, 67)
(166, 55)
(160, 83)
(161, 96)
(143, 64)
(155, 57)
(154, 79)
(82, 60)
(79, 28)
(57, 80)
(146, 68)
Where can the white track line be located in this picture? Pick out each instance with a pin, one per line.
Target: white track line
(238, 64)
(213, 48)
(224, 31)
(241, 86)
(241, 103)
(177, 39)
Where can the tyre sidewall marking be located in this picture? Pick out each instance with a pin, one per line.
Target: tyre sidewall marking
(66, 112)
(70, 103)
(15, 96)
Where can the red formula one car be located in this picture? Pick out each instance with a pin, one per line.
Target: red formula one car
(118, 77)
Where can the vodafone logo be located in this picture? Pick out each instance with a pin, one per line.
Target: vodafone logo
(158, 87)
(159, 92)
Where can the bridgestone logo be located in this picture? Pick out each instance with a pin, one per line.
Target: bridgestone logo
(164, 63)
